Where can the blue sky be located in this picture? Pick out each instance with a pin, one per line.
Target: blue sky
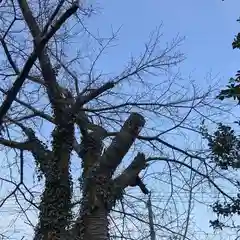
(208, 25)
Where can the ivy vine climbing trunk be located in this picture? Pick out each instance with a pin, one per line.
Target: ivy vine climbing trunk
(100, 191)
(55, 206)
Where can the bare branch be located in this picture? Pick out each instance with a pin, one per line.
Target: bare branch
(157, 139)
(121, 143)
(14, 144)
(81, 100)
(129, 175)
(39, 151)
(192, 169)
(28, 65)
(50, 20)
(150, 217)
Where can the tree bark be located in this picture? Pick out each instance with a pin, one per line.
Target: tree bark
(92, 223)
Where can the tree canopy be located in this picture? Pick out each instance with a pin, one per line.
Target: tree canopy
(88, 154)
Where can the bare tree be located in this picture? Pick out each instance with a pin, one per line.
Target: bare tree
(68, 113)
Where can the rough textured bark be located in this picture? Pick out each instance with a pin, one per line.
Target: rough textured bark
(55, 207)
(93, 217)
(92, 222)
(100, 191)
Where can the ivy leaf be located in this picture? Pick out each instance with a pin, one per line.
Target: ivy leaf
(236, 42)
(231, 80)
(220, 97)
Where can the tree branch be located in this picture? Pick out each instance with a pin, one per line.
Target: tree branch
(80, 120)
(192, 169)
(29, 63)
(9, 57)
(14, 144)
(50, 20)
(39, 151)
(81, 100)
(130, 177)
(157, 139)
(34, 110)
(120, 145)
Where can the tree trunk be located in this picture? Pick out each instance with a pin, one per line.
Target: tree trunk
(96, 225)
(92, 223)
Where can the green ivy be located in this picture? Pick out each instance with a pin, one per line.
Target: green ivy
(233, 88)
(224, 146)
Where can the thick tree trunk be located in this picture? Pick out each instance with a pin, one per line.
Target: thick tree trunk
(95, 225)
(100, 191)
(92, 223)
(55, 206)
